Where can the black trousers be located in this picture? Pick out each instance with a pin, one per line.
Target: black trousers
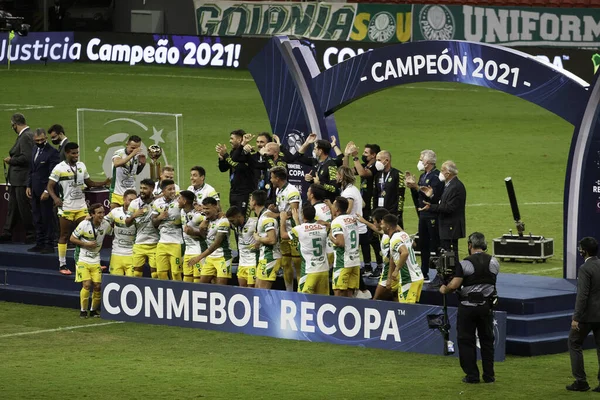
(366, 241)
(43, 220)
(472, 320)
(429, 241)
(451, 245)
(19, 210)
(241, 201)
(576, 339)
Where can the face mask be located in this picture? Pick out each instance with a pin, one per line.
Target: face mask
(581, 253)
(421, 166)
(41, 145)
(364, 159)
(379, 165)
(56, 141)
(442, 177)
(315, 154)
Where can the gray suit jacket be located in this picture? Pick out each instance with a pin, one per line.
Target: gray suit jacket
(20, 159)
(587, 305)
(61, 150)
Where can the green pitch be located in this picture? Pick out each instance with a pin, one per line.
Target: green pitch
(136, 361)
(490, 135)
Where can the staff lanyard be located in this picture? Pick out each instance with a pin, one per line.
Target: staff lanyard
(383, 181)
(320, 165)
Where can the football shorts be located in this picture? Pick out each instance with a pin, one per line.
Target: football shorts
(143, 252)
(268, 271)
(73, 216)
(411, 292)
(168, 257)
(218, 267)
(289, 248)
(121, 265)
(194, 270)
(385, 276)
(315, 283)
(86, 272)
(116, 198)
(346, 278)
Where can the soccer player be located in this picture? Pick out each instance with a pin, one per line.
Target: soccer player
(217, 257)
(312, 239)
(121, 258)
(88, 237)
(167, 172)
(288, 199)
(245, 227)
(344, 235)
(346, 178)
(194, 244)
(199, 186)
(316, 195)
(382, 292)
(166, 216)
(127, 163)
(70, 176)
(403, 263)
(139, 213)
(267, 240)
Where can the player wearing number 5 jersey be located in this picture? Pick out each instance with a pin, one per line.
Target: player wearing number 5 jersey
(403, 262)
(312, 241)
(344, 235)
(88, 237)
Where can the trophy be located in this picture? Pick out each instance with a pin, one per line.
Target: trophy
(154, 152)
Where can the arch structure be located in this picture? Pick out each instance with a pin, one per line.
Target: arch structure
(299, 98)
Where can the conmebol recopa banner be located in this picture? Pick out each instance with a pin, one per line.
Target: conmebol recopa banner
(280, 314)
(312, 20)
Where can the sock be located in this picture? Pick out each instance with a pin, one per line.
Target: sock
(176, 276)
(96, 299)
(288, 273)
(62, 253)
(188, 278)
(138, 274)
(154, 274)
(164, 275)
(84, 298)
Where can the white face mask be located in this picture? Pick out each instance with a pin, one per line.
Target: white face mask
(421, 166)
(379, 165)
(315, 154)
(442, 177)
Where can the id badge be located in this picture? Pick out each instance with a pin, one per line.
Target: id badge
(380, 202)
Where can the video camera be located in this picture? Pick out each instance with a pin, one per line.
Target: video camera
(9, 23)
(445, 265)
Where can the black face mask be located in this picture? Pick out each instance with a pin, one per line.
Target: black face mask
(364, 159)
(56, 141)
(41, 145)
(581, 252)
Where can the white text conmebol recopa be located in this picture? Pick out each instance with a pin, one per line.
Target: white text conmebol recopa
(241, 310)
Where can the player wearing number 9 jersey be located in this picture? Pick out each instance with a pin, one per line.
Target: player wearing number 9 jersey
(344, 235)
(312, 241)
(403, 262)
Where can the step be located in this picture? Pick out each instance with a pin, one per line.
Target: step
(40, 296)
(41, 261)
(36, 277)
(550, 343)
(537, 324)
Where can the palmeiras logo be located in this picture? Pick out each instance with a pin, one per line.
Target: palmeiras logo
(382, 27)
(436, 23)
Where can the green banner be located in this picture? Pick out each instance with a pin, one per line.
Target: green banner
(382, 23)
(509, 26)
(317, 21)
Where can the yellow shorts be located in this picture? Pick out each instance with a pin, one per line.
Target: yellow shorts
(315, 283)
(116, 198)
(121, 265)
(168, 257)
(247, 272)
(346, 278)
(218, 267)
(143, 252)
(195, 269)
(268, 271)
(85, 272)
(73, 215)
(384, 277)
(289, 248)
(411, 292)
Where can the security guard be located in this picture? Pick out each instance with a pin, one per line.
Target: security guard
(477, 275)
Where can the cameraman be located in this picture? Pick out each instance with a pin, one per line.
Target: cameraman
(477, 275)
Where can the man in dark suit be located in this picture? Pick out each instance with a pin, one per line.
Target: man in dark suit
(451, 208)
(57, 135)
(45, 158)
(56, 15)
(19, 161)
(586, 317)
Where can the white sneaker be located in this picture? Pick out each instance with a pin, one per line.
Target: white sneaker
(363, 294)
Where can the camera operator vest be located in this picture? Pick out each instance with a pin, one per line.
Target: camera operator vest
(482, 275)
